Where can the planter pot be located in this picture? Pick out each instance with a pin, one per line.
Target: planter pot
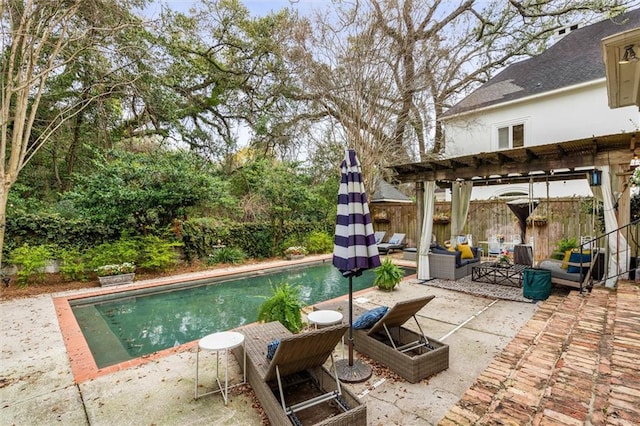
(387, 289)
(52, 267)
(116, 279)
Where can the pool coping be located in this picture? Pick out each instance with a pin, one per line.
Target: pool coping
(83, 366)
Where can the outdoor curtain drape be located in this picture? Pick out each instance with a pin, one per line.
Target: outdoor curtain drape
(427, 231)
(618, 246)
(460, 198)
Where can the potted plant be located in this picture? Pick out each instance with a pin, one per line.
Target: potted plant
(563, 246)
(504, 260)
(388, 275)
(120, 273)
(537, 220)
(285, 306)
(295, 252)
(441, 218)
(381, 217)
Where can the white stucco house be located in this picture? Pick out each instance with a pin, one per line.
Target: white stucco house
(557, 96)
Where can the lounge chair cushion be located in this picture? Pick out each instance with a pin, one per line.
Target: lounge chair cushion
(369, 318)
(394, 241)
(578, 258)
(555, 266)
(272, 346)
(466, 251)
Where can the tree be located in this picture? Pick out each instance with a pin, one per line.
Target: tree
(276, 192)
(40, 40)
(146, 190)
(218, 72)
(386, 70)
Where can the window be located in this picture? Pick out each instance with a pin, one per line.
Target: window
(511, 136)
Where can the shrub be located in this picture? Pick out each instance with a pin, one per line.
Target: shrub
(284, 306)
(30, 261)
(157, 254)
(229, 255)
(72, 265)
(319, 242)
(121, 251)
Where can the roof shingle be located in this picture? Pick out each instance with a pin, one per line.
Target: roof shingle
(575, 59)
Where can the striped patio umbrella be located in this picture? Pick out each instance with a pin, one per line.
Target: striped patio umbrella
(354, 249)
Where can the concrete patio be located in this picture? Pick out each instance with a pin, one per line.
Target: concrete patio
(38, 386)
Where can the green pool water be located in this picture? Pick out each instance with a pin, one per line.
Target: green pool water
(128, 325)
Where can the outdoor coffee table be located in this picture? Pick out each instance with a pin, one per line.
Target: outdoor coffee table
(497, 273)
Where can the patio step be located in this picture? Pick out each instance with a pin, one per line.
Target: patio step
(573, 363)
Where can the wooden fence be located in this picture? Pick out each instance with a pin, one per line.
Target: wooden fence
(566, 217)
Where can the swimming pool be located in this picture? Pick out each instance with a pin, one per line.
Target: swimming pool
(126, 325)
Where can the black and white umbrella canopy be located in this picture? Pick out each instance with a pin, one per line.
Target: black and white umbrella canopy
(354, 249)
(355, 246)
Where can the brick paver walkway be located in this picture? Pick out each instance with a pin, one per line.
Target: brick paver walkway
(576, 362)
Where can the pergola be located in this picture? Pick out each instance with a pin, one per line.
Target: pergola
(561, 161)
(566, 160)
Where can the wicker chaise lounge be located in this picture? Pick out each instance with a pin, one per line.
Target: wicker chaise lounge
(294, 387)
(410, 354)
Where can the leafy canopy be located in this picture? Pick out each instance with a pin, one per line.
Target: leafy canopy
(146, 190)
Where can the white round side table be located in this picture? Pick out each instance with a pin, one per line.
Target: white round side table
(221, 342)
(324, 318)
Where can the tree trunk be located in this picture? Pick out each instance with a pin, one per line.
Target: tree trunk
(4, 196)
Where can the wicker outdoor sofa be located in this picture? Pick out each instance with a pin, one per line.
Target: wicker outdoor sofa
(296, 374)
(450, 265)
(410, 354)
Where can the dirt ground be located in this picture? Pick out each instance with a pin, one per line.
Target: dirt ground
(53, 283)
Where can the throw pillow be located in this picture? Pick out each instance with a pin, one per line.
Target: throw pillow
(369, 318)
(440, 250)
(394, 241)
(466, 251)
(565, 259)
(577, 257)
(271, 348)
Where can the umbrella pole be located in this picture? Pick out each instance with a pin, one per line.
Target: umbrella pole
(350, 321)
(350, 370)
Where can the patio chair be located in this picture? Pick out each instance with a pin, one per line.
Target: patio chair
(410, 354)
(470, 240)
(513, 242)
(379, 236)
(396, 242)
(494, 248)
(294, 387)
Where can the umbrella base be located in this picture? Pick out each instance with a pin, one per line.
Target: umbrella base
(356, 373)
